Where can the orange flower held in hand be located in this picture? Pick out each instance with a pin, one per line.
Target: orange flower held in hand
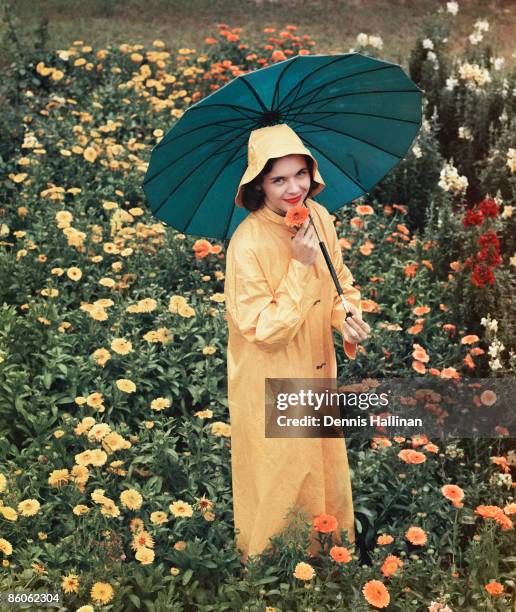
(296, 216)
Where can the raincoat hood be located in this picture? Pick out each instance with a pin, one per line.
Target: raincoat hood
(271, 142)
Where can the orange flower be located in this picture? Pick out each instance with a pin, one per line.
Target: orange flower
(401, 228)
(469, 339)
(416, 536)
(454, 493)
(376, 594)
(418, 440)
(201, 248)
(491, 512)
(296, 216)
(476, 350)
(215, 249)
(455, 266)
(410, 269)
(384, 539)
(502, 462)
(415, 329)
(278, 56)
(325, 523)
(390, 565)
(431, 448)
(357, 222)
(340, 554)
(494, 588)
(344, 243)
(488, 397)
(510, 508)
(468, 360)
(364, 209)
(420, 310)
(366, 248)
(419, 367)
(421, 355)
(449, 373)
(411, 456)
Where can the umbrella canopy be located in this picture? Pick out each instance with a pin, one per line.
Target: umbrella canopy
(356, 114)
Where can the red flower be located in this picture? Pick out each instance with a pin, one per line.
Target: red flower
(490, 257)
(488, 238)
(482, 275)
(473, 217)
(489, 208)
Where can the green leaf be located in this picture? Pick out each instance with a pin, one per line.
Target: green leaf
(187, 576)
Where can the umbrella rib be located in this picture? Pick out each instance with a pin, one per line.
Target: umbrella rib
(255, 94)
(151, 178)
(375, 146)
(188, 175)
(364, 93)
(226, 163)
(333, 61)
(221, 122)
(316, 90)
(276, 88)
(341, 169)
(332, 113)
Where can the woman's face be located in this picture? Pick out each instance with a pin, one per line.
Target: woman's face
(288, 179)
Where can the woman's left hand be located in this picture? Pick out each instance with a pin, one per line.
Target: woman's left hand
(355, 330)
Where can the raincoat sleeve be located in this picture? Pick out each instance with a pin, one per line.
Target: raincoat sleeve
(345, 277)
(269, 318)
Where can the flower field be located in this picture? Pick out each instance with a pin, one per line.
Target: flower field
(115, 476)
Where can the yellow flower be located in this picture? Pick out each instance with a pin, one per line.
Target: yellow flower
(58, 478)
(204, 414)
(18, 178)
(304, 571)
(58, 433)
(218, 297)
(90, 154)
(126, 385)
(29, 507)
(175, 302)
(9, 513)
(131, 499)
(221, 429)
(144, 555)
(95, 400)
(6, 547)
(142, 539)
(180, 508)
(186, 311)
(101, 356)
(70, 583)
(209, 350)
(160, 403)
(3, 483)
(86, 608)
(57, 75)
(102, 592)
(158, 517)
(80, 509)
(107, 282)
(121, 346)
(174, 571)
(180, 545)
(74, 273)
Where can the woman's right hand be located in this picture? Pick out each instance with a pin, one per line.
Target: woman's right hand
(305, 246)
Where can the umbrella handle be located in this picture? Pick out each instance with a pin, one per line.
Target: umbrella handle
(335, 278)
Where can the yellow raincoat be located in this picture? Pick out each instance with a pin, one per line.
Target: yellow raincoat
(280, 315)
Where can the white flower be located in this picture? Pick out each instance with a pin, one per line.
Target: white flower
(475, 38)
(376, 42)
(465, 133)
(452, 7)
(416, 149)
(511, 159)
(451, 180)
(362, 39)
(431, 56)
(427, 44)
(498, 62)
(481, 25)
(512, 260)
(451, 83)
(495, 365)
(507, 212)
(474, 75)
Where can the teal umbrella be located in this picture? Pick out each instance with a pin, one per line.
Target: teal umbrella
(358, 116)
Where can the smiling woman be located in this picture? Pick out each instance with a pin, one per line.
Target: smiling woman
(282, 306)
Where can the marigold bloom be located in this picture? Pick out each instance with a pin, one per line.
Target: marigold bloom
(452, 492)
(304, 571)
(391, 565)
(420, 310)
(131, 499)
(365, 209)
(340, 554)
(296, 216)
(494, 588)
(376, 594)
(384, 539)
(29, 507)
(325, 523)
(469, 339)
(488, 397)
(416, 536)
(70, 583)
(102, 592)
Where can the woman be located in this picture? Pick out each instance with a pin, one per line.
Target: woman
(281, 305)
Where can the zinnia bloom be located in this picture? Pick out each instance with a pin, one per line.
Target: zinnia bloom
(296, 216)
(416, 536)
(304, 571)
(102, 592)
(376, 594)
(325, 523)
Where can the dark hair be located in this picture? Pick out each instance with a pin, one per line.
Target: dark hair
(253, 196)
